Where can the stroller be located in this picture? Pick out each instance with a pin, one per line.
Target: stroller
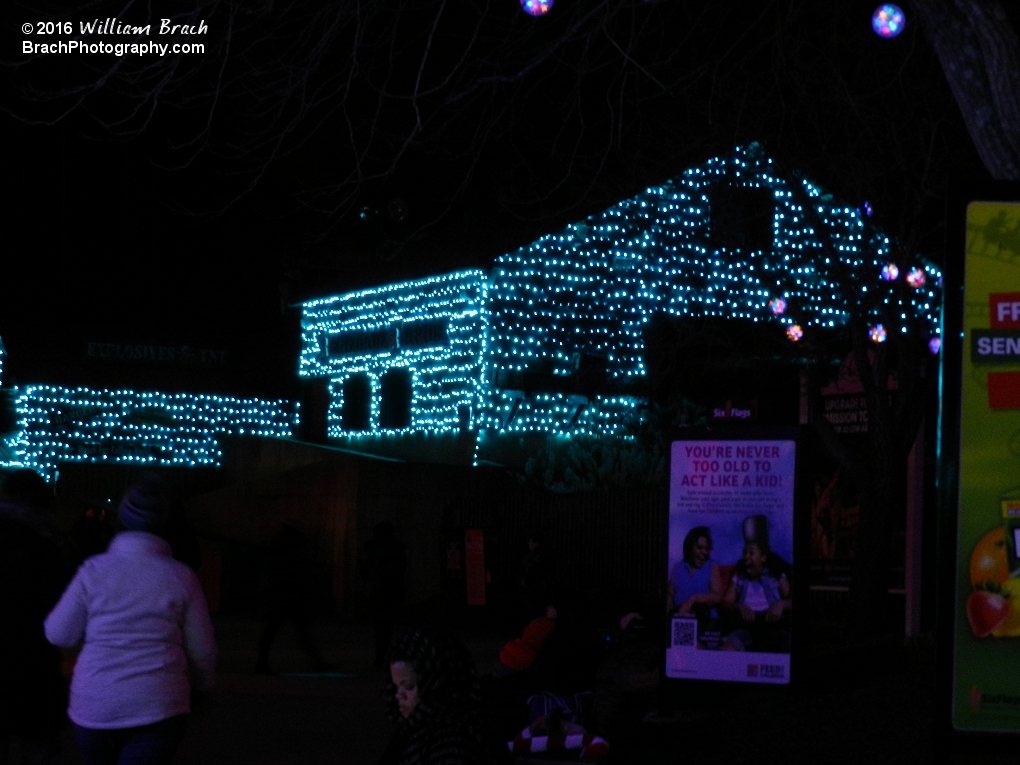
(558, 730)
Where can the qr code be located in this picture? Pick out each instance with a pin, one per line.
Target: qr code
(685, 632)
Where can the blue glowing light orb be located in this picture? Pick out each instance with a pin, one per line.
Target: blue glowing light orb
(795, 333)
(536, 7)
(888, 20)
(915, 278)
(777, 306)
(935, 345)
(877, 334)
(868, 209)
(890, 272)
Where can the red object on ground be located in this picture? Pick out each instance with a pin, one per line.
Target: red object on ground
(521, 653)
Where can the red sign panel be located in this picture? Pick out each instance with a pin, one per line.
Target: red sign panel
(1004, 310)
(1004, 390)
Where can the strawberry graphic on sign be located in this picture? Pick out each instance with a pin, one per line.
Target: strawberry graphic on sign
(986, 611)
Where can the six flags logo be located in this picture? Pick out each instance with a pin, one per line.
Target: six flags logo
(977, 699)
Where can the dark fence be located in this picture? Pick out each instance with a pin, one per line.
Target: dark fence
(610, 545)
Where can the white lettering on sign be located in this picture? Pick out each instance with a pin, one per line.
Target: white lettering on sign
(1008, 311)
(998, 346)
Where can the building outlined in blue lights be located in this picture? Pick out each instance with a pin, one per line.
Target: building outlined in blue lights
(550, 340)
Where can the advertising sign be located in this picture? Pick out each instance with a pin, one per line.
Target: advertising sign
(986, 681)
(731, 509)
(835, 505)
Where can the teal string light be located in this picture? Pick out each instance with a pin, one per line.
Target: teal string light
(58, 424)
(584, 296)
(433, 328)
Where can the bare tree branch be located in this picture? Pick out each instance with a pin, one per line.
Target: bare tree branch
(353, 102)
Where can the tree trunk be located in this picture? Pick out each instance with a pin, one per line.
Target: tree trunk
(980, 55)
(881, 481)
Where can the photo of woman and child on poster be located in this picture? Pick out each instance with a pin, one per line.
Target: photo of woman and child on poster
(739, 605)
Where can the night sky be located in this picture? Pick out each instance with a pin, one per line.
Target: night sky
(345, 180)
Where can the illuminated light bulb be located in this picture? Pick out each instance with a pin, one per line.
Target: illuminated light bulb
(890, 272)
(795, 332)
(777, 306)
(877, 334)
(888, 20)
(916, 278)
(536, 7)
(935, 345)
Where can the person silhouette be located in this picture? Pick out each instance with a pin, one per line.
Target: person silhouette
(288, 596)
(33, 573)
(435, 699)
(383, 565)
(147, 644)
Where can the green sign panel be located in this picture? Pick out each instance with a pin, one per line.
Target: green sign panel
(986, 620)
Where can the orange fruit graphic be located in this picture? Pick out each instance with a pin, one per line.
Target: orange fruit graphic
(988, 562)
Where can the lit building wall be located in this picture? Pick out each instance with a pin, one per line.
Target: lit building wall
(7, 436)
(729, 238)
(127, 427)
(552, 340)
(402, 358)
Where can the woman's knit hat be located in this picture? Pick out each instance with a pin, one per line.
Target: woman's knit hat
(144, 506)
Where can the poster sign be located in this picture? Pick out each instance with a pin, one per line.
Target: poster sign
(986, 684)
(835, 505)
(731, 506)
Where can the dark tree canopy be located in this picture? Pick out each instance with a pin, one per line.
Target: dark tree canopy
(375, 127)
(980, 56)
(315, 147)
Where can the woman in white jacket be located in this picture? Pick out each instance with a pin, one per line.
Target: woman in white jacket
(146, 640)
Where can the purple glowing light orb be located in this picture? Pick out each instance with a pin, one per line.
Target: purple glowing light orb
(888, 20)
(877, 334)
(795, 333)
(915, 278)
(777, 306)
(536, 7)
(935, 345)
(890, 272)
